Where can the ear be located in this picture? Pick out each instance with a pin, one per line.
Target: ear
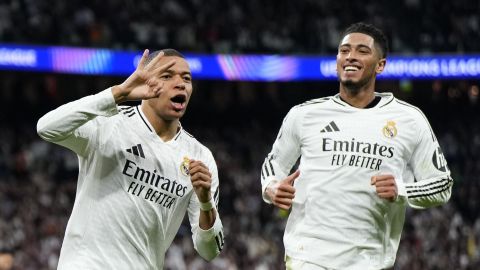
(381, 65)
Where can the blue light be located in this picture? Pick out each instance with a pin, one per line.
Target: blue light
(230, 67)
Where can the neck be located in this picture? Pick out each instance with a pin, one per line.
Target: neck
(165, 129)
(358, 98)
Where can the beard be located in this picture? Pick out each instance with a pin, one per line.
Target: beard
(352, 86)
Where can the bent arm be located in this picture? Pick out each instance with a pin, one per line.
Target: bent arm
(284, 154)
(208, 243)
(428, 192)
(433, 182)
(67, 125)
(207, 228)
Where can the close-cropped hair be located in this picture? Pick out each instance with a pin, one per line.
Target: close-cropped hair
(378, 36)
(167, 52)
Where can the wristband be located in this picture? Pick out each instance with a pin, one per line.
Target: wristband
(206, 206)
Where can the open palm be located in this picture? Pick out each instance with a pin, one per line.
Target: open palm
(144, 82)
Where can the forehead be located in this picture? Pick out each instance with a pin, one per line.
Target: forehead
(181, 65)
(355, 39)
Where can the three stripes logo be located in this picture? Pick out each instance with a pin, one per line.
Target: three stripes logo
(439, 160)
(136, 150)
(331, 127)
(220, 241)
(128, 111)
(267, 168)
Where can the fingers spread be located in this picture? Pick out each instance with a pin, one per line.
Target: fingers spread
(141, 63)
(158, 90)
(164, 67)
(153, 63)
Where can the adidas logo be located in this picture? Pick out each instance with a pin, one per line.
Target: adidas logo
(136, 150)
(331, 127)
(128, 111)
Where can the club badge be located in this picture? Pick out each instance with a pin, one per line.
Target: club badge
(184, 166)
(390, 130)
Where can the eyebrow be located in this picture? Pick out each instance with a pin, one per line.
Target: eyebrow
(359, 46)
(181, 72)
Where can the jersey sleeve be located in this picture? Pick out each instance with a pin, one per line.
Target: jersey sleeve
(70, 125)
(433, 183)
(208, 243)
(284, 153)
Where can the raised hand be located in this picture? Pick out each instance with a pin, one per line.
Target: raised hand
(282, 193)
(144, 82)
(385, 186)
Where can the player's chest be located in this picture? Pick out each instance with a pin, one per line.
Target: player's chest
(139, 154)
(151, 170)
(358, 137)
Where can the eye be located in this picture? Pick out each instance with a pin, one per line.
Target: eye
(343, 50)
(187, 78)
(165, 76)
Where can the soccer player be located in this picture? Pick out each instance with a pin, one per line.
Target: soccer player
(140, 171)
(364, 156)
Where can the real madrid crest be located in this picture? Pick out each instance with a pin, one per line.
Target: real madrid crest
(390, 130)
(184, 166)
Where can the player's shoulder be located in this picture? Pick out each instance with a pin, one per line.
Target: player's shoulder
(189, 141)
(125, 118)
(312, 104)
(124, 113)
(408, 108)
(299, 111)
(127, 111)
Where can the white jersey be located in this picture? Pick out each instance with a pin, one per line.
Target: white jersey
(133, 188)
(337, 219)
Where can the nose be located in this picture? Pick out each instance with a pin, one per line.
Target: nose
(179, 82)
(351, 55)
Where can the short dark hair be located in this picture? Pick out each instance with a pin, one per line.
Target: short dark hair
(378, 36)
(167, 52)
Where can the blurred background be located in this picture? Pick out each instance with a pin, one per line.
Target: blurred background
(237, 119)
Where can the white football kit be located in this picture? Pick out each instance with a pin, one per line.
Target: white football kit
(337, 220)
(133, 188)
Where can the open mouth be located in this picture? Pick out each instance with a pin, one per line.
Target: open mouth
(179, 101)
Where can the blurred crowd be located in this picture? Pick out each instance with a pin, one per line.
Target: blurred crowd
(229, 26)
(238, 121)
